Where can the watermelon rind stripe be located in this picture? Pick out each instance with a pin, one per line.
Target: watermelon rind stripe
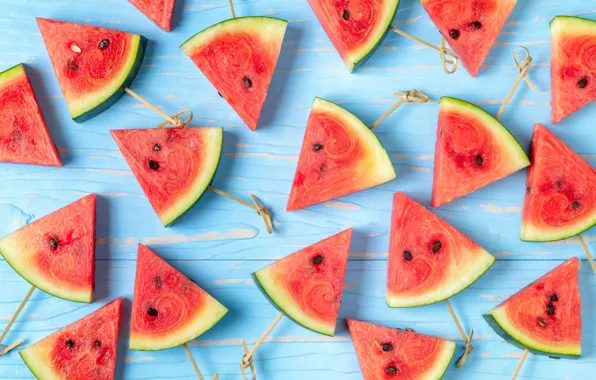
(531, 233)
(110, 95)
(465, 279)
(572, 23)
(443, 361)
(284, 303)
(209, 315)
(39, 363)
(501, 324)
(11, 72)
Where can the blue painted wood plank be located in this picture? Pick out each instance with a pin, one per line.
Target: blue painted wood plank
(219, 243)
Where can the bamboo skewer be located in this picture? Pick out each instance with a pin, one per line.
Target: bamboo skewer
(468, 348)
(192, 360)
(7, 349)
(247, 360)
(232, 9)
(520, 364)
(585, 247)
(411, 96)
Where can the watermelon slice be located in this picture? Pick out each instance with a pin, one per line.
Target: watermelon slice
(24, 137)
(168, 309)
(85, 349)
(471, 27)
(545, 316)
(386, 353)
(573, 68)
(238, 57)
(174, 166)
(560, 191)
(93, 65)
(473, 150)
(339, 156)
(355, 28)
(159, 11)
(429, 260)
(307, 285)
(57, 252)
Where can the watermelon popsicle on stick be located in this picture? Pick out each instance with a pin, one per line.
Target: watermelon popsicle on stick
(306, 286)
(55, 254)
(544, 317)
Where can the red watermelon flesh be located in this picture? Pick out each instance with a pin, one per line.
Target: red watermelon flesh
(473, 150)
(339, 156)
(545, 316)
(174, 166)
(471, 27)
(392, 354)
(355, 28)
(57, 252)
(93, 65)
(159, 11)
(429, 260)
(573, 65)
(84, 350)
(307, 285)
(168, 309)
(24, 137)
(238, 57)
(560, 197)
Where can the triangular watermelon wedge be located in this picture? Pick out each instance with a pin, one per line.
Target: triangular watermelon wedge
(24, 137)
(429, 260)
(356, 29)
(473, 150)
(93, 65)
(168, 309)
(57, 252)
(174, 166)
(339, 156)
(545, 316)
(387, 353)
(560, 197)
(85, 349)
(159, 11)
(307, 285)
(471, 27)
(238, 57)
(573, 71)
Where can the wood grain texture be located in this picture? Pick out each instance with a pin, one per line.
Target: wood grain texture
(219, 243)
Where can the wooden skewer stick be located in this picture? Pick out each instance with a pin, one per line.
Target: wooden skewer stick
(411, 96)
(467, 339)
(176, 122)
(8, 348)
(523, 67)
(520, 364)
(250, 364)
(248, 358)
(585, 246)
(193, 362)
(232, 9)
(443, 51)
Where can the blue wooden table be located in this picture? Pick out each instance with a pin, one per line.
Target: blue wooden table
(219, 243)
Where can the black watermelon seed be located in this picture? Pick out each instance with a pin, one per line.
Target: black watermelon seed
(317, 147)
(454, 33)
(104, 44)
(541, 322)
(387, 347)
(476, 24)
(529, 189)
(69, 343)
(158, 281)
(554, 297)
(409, 329)
(582, 82)
(575, 205)
(247, 82)
(550, 309)
(408, 256)
(152, 312)
(153, 165)
(73, 66)
(558, 184)
(54, 243)
(219, 95)
(479, 161)
(317, 260)
(323, 168)
(156, 148)
(437, 246)
(97, 343)
(391, 370)
(346, 15)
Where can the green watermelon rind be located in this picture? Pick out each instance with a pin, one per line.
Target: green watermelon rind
(12, 71)
(531, 234)
(487, 262)
(558, 19)
(36, 366)
(508, 333)
(81, 115)
(277, 300)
